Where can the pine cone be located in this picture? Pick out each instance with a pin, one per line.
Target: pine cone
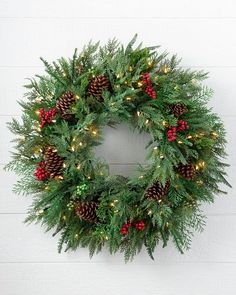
(53, 162)
(87, 211)
(157, 191)
(64, 104)
(97, 86)
(187, 171)
(178, 109)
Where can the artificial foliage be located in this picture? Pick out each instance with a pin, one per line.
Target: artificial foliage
(64, 114)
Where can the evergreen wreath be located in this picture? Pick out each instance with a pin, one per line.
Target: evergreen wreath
(63, 119)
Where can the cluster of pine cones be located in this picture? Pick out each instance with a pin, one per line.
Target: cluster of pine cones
(96, 87)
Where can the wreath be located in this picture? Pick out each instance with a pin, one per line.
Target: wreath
(62, 123)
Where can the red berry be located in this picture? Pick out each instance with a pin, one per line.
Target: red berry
(140, 225)
(47, 116)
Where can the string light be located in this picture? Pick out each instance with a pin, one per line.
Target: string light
(149, 212)
(214, 135)
(199, 182)
(161, 156)
(139, 113)
(39, 212)
(165, 123)
(140, 84)
(141, 176)
(180, 142)
(147, 121)
(72, 148)
(64, 217)
(78, 166)
(37, 112)
(46, 188)
(155, 148)
(76, 236)
(165, 69)
(189, 136)
(200, 165)
(38, 99)
(77, 97)
(128, 98)
(130, 68)
(80, 143)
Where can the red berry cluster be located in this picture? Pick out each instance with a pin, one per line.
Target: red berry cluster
(182, 125)
(40, 172)
(148, 86)
(172, 132)
(139, 225)
(47, 116)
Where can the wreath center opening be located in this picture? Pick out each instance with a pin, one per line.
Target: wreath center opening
(123, 149)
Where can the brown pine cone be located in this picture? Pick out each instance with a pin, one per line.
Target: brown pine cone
(178, 109)
(97, 85)
(64, 104)
(157, 191)
(87, 211)
(53, 162)
(187, 171)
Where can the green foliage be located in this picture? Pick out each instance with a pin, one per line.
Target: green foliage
(86, 178)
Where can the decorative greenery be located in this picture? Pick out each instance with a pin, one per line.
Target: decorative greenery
(62, 122)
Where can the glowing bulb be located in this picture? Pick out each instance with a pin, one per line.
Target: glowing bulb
(46, 188)
(149, 212)
(38, 99)
(72, 148)
(128, 98)
(165, 69)
(77, 97)
(37, 112)
(78, 166)
(140, 84)
(164, 123)
(80, 143)
(155, 148)
(147, 121)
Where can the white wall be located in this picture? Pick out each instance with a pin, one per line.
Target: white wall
(203, 33)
